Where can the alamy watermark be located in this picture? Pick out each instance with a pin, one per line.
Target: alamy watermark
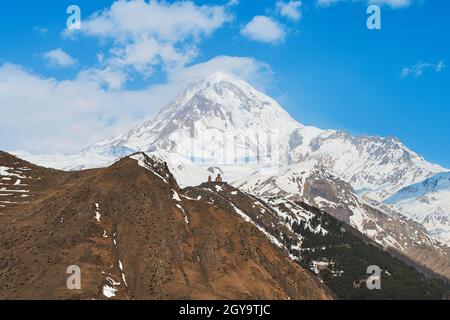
(374, 280)
(74, 280)
(259, 148)
(74, 20)
(374, 20)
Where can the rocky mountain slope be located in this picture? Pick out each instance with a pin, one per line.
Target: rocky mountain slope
(331, 249)
(313, 184)
(135, 235)
(21, 182)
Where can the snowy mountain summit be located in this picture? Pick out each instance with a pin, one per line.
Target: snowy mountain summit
(217, 120)
(223, 120)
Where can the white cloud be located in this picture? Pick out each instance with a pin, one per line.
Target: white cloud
(391, 3)
(232, 3)
(419, 69)
(264, 29)
(291, 9)
(44, 115)
(41, 30)
(128, 20)
(151, 34)
(113, 79)
(59, 58)
(144, 55)
(255, 72)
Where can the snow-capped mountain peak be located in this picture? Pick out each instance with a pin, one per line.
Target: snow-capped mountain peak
(223, 101)
(376, 167)
(228, 90)
(215, 118)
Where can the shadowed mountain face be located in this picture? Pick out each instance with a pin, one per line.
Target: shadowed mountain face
(135, 235)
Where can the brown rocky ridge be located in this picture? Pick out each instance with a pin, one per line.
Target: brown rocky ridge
(134, 235)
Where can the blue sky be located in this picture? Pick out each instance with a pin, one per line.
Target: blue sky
(325, 67)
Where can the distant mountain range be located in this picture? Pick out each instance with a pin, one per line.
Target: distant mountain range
(222, 124)
(427, 202)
